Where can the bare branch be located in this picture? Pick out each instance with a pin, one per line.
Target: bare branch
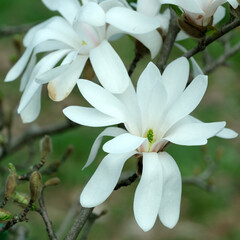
(169, 41)
(202, 45)
(8, 31)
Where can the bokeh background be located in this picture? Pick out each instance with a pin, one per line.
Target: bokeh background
(204, 215)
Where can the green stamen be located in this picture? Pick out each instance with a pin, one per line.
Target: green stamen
(150, 135)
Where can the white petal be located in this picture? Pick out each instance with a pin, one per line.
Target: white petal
(219, 15)
(175, 78)
(234, 3)
(91, 13)
(66, 78)
(68, 8)
(43, 65)
(110, 131)
(104, 180)
(131, 21)
(151, 40)
(194, 133)
(102, 100)
(149, 192)
(146, 82)
(148, 7)
(32, 109)
(227, 133)
(89, 116)
(123, 143)
(192, 6)
(187, 102)
(109, 68)
(195, 67)
(172, 190)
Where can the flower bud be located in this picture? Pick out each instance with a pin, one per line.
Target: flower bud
(12, 168)
(11, 185)
(52, 182)
(22, 199)
(191, 28)
(35, 185)
(5, 215)
(46, 146)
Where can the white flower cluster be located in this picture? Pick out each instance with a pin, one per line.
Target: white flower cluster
(156, 113)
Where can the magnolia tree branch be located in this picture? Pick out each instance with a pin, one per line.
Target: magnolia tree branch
(203, 44)
(8, 31)
(169, 41)
(36, 132)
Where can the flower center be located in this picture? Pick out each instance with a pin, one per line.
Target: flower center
(150, 135)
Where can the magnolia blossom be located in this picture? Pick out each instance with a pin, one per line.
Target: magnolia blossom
(200, 12)
(80, 34)
(153, 115)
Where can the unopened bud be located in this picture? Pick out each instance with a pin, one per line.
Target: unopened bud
(52, 182)
(35, 185)
(12, 168)
(5, 215)
(11, 185)
(22, 200)
(46, 146)
(191, 28)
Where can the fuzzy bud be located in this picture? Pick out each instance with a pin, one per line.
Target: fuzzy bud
(52, 182)
(191, 28)
(46, 146)
(22, 199)
(35, 185)
(11, 185)
(12, 168)
(5, 215)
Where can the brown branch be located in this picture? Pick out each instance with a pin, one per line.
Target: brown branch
(169, 41)
(126, 182)
(33, 133)
(8, 31)
(43, 212)
(202, 45)
(137, 58)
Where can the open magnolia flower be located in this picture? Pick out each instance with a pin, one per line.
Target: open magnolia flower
(71, 40)
(153, 115)
(199, 14)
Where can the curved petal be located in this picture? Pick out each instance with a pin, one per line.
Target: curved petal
(68, 8)
(66, 77)
(187, 102)
(227, 133)
(175, 78)
(123, 143)
(151, 40)
(219, 15)
(89, 116)
(91, 13)
(194, 133)
(104, 180)
(146, 82)
(110, 131)
(109, 68)
(195, 67)
(43, 65)
(131, 21)
(192, 6)
(32, 109)
(172, 190)
(234, 3)
(102, 100)
(148, 7)
(148, 194)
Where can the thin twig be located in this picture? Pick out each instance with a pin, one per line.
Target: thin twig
(200, 47)
(8, 31)
(169, 41)
(43, 212)
(137, 58)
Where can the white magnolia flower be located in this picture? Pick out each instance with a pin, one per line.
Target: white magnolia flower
(200, 12)
(79, 35)
(153, 115)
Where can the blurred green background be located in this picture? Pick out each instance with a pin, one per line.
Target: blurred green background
(210, 216)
